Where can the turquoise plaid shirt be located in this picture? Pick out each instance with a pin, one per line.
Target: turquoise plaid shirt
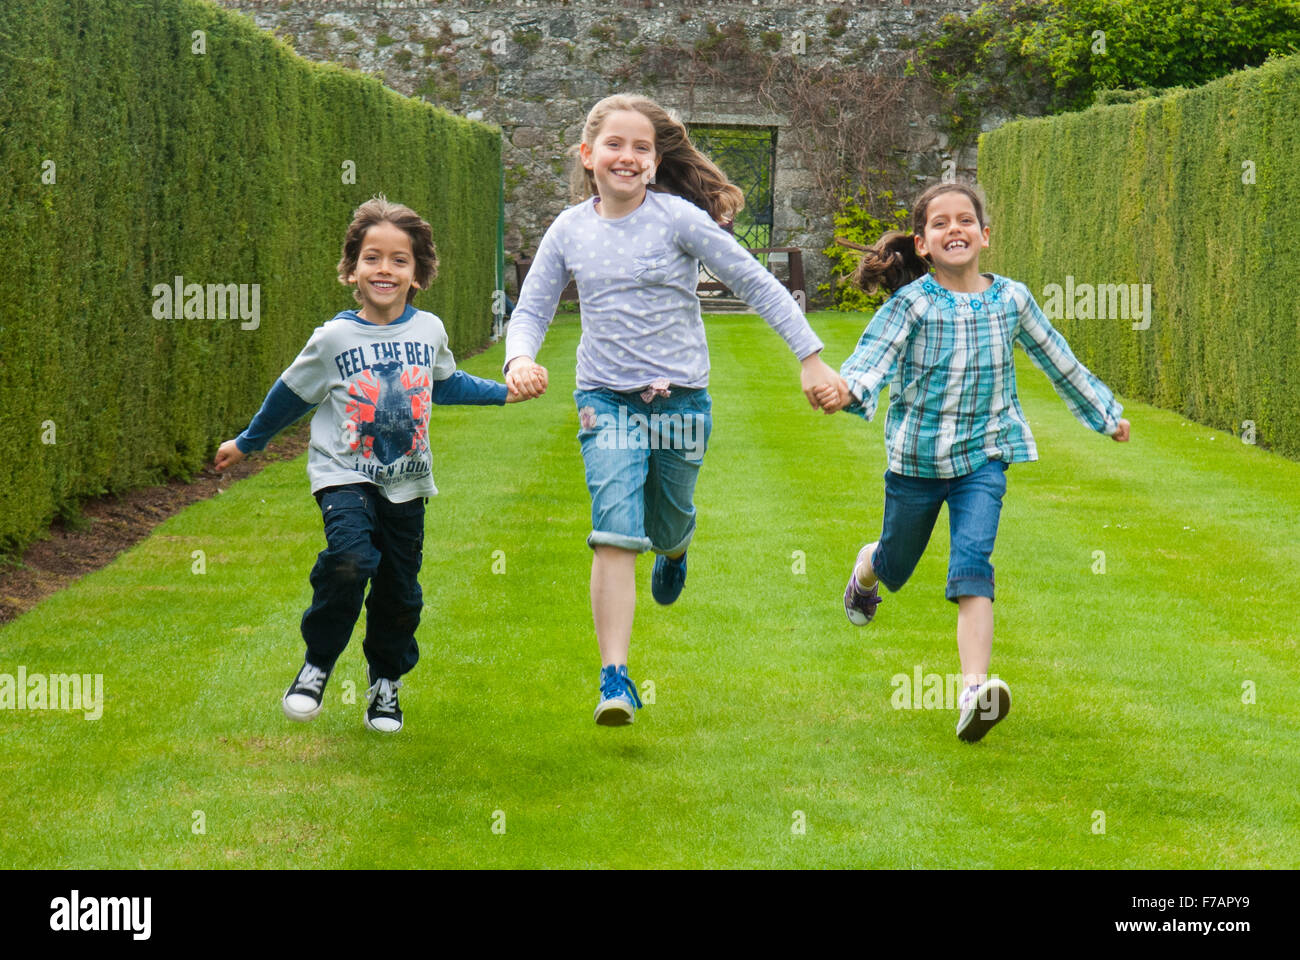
(952, 396)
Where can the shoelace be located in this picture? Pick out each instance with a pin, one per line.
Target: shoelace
(864, 598)
(616, 684)
(386, 692)
(312, 678)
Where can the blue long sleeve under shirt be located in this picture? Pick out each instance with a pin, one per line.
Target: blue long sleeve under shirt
(283, 407)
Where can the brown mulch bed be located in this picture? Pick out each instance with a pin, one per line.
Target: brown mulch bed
(111, 525)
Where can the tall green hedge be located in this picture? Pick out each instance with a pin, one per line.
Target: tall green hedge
(224, 167)
(1194, 193)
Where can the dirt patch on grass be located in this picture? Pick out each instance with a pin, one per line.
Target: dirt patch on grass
(256, 748)
(111, 525)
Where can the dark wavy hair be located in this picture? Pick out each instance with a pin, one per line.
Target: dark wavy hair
(378, 210)
(683, 170)
(892, 261)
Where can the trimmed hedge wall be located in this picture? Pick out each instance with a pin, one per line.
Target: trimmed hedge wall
(1193, 193)
(222, 167)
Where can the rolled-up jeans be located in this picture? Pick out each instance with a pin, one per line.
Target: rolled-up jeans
(642, 459)
(911, 509)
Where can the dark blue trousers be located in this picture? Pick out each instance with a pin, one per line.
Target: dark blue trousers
(370, 540)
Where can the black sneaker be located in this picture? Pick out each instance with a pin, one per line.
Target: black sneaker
(302, 701)
(384, 713)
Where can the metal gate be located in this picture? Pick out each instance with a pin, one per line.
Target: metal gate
(747, 155)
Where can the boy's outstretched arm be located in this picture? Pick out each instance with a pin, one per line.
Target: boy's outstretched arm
(464, 388)
(280, 408)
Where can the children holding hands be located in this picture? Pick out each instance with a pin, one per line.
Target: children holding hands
(649, 214)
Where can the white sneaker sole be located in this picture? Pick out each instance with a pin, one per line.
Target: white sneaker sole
(615, 714)
(299, 715)
(855, 618)
(992, 705)
(396, 729)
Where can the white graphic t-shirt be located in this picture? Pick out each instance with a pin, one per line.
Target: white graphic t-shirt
(373, 384)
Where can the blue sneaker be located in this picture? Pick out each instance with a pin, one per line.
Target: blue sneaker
(668, 579)
(618, 698)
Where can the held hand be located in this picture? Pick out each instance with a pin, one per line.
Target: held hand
(228, 454)
(816, 375)
(534, 379)
(1121, 434)
(835, 399)
(525, 378)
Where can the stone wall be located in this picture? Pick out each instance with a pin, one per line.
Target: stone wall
(535, 68)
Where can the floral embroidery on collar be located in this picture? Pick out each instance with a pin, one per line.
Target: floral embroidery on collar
(976, 300)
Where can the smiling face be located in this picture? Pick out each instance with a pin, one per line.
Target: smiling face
(622, 159)
(953, 236)
(385, 272)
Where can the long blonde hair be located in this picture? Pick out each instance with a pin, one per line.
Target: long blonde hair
(683, 170)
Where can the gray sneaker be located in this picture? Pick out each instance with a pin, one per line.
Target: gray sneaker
(858, 606)
(982, 707)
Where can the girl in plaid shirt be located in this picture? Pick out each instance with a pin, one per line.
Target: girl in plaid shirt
(954, 421)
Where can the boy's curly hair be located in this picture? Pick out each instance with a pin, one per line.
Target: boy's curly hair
(378, 210)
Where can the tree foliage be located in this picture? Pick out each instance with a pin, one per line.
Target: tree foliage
(856, 223)
(1018, 55)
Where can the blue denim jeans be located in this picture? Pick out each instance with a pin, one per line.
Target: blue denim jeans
(368, 539)
(642, 460)
(911, 508)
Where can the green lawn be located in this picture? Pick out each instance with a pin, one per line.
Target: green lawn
(770, 711)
